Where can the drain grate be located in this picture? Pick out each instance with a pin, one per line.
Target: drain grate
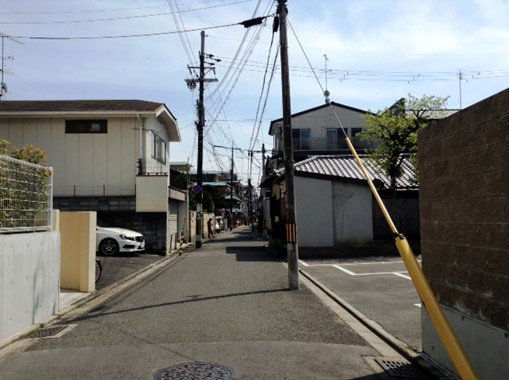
(48, 332)
(401, 369)
(195, 371)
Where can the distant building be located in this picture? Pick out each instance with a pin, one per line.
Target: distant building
(316, 131)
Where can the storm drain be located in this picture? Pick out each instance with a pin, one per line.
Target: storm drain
(400, 369)
(55, 331)
(195, 371)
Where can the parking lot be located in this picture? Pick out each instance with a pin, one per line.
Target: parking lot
(380, 288)
(122, 265)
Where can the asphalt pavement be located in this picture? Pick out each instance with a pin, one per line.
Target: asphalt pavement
(223, 311)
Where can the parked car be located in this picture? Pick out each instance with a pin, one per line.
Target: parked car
(219, 224)
(112, 240)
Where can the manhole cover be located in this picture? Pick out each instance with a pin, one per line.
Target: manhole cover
(47, 332)
(194, 371)
(401, 369)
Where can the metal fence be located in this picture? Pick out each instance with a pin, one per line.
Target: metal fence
(26, 195)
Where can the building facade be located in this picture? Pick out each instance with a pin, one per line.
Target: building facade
(109, 156)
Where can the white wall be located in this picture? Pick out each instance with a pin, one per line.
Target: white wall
(318, 121)
(313, 205)
(29, 280)
(92, 162)
(353, 218)
(486, 347)
(152, 193)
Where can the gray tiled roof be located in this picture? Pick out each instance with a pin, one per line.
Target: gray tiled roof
(345, 166)
(78, 105)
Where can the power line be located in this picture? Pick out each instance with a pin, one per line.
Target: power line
(121, 17)
(125, 35)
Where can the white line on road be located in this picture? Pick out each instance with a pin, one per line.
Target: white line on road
(402, 275)
(418, 305)
(344, 270)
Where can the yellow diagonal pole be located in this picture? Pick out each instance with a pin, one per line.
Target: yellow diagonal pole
(437, 316)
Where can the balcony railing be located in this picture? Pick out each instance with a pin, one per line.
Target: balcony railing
(324, 144)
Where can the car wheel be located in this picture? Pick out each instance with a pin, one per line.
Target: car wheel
(108, 247)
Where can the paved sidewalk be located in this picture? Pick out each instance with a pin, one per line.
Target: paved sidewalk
(224, 308)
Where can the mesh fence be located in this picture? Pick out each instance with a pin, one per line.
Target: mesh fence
(25, 196)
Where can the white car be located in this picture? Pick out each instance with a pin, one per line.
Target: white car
(111, 240)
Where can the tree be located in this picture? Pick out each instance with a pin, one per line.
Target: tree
(394, 130)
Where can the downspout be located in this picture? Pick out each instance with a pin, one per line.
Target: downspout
(141, 150)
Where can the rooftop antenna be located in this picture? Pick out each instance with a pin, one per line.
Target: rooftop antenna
(326, 93)
(3, 85)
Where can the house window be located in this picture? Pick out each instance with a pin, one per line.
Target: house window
(86, 126)
(301, 138)
(332, 138)
(158, 148)
(354, 132)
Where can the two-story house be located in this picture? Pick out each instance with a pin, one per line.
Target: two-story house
(109, 156)
(316, 131)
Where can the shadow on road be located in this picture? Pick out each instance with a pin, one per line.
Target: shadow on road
(99, 310)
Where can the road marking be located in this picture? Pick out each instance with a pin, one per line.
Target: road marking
(403, 275)
(418, 305)
(344, 270)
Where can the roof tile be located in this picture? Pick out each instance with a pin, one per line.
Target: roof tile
(345, 166)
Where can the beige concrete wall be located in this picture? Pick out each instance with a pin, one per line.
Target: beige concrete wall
(78, 240)
(152, 194)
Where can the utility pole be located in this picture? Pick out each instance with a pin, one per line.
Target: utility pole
(231, 195)
(230, 222)
(291, 226)
(3, 85)
(191, 83)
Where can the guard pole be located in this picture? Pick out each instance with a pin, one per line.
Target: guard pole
(421, 284)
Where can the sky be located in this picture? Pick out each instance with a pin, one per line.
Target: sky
(366, 53)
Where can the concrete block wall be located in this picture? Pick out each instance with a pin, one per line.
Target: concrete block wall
(464, 208)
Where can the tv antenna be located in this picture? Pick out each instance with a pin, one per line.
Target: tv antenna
(3, 86)
(326, 93)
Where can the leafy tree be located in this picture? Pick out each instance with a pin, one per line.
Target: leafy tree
(394, 130)
(27, 153)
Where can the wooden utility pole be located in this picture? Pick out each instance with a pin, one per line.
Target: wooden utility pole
(291, 226)
(199, 126)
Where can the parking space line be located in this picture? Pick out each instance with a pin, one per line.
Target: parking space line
(403, 275)
(344, 270)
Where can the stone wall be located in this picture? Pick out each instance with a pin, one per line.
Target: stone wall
(464, 208)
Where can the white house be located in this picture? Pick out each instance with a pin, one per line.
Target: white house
(109, 156)
(316, 131)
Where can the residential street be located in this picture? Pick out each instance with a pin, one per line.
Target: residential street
(226, 306)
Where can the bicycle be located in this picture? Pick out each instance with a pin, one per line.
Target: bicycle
(98, 270)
